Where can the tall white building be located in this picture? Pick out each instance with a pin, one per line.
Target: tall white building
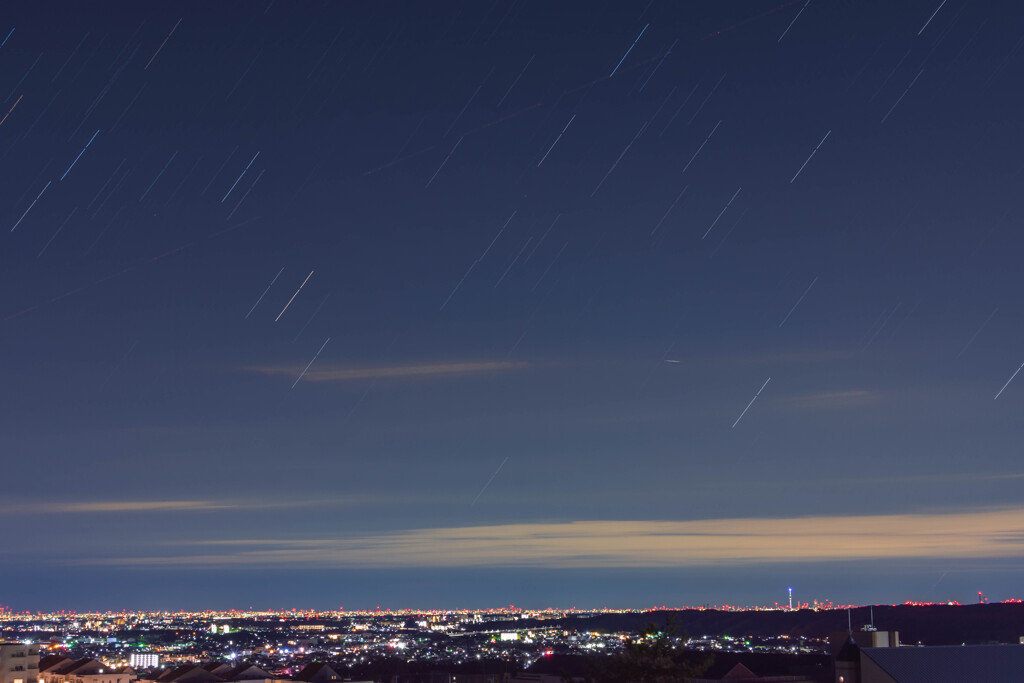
(144, 660)
(19, 663)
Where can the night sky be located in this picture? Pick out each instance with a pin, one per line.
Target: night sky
(464, 304)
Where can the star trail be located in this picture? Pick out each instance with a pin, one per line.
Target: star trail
(555, 249)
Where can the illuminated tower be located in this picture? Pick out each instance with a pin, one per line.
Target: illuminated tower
(790, 597)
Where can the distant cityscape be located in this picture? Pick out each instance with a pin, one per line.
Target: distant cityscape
(284, 641)
(503, 645)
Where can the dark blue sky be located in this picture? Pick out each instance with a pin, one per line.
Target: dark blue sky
(543, 299)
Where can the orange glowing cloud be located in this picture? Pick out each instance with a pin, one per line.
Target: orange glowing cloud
(972, 534)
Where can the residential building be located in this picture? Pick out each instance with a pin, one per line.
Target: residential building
(318, 672)
(19, 663)
(85, 670)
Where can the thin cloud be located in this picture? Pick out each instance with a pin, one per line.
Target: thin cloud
(117, 506)
(339, 373)
(604, 544)
(171, 506)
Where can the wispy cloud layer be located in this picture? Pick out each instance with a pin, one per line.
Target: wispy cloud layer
(172, 506)
(974, 534)
(113, 506)
(339, 373)
(139, 506)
